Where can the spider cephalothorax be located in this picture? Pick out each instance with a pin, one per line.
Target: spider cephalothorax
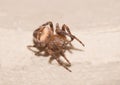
(53, 44)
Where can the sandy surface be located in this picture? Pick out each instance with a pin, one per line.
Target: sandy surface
(95, 22)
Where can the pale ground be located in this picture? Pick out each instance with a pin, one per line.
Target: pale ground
(95, 22)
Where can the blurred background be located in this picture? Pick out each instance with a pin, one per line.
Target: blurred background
(78, 14)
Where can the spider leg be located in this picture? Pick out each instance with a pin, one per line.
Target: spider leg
(37, 53)
(68, 33)
(65, 27)
(68, 48)
(77, 40)
(57, 58)
(41, 54)
(51, 59)
(62, 64)
(37, 32)
(62, 32)
(50, 52)
(63, 55)
(50, 24)
(31, 46)
(61, 52)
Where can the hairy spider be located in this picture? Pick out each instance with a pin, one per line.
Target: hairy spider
(53, 44)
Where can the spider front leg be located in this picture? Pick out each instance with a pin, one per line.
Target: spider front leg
(30, 48)
(37, 53)
(66, 31)
(37, 32)
(50, 24)
(65, 27)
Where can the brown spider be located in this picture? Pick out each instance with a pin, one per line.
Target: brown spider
(48, 43)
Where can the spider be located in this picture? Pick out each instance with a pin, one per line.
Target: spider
(53, 44)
